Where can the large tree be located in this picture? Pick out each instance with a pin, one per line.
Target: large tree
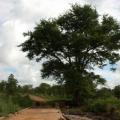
(73, 44)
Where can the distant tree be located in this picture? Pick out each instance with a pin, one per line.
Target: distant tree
(11, 87)
(104, 93)
(116, 91)
(58, 90)
(3, 86)
(43, 88)
(19, 88)
(26, 89)
(72, 45)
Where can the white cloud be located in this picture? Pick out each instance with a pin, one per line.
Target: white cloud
(18, 16)
(112, 77)
(110, 7)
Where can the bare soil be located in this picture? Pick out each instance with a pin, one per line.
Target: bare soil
(37, 114)
(46, 114)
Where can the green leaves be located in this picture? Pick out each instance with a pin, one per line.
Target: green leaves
(78, 19)
(74, 43)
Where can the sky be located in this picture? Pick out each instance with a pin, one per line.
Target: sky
(18, 16)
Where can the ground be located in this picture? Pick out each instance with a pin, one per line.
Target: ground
(37, 114)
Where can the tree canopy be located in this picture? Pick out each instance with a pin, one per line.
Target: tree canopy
(73, 44)
(116, 91)
(11, 85)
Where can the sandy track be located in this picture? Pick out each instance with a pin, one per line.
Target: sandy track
(37, 114)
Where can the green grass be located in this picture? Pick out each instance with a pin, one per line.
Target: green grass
(7, 106)
(12, 104)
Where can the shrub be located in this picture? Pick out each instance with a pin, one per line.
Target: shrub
(22, 101)
(12, 104)
(108, 105)
(7, 106)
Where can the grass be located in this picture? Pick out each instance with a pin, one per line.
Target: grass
(7, 106)
(12, 104)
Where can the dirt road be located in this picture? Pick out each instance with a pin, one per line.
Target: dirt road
(37, 114)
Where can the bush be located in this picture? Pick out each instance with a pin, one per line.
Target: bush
(22, 101)
(108, 105)
(75, 110)
(7, 106)
(60, 100)
(12, 104)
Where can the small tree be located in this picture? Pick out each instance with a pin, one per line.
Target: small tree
(72, 45)
(3, 86)
(27, 89)
(104, 93)
(11, 87)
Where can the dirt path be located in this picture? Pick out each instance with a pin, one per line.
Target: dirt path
(37, 114)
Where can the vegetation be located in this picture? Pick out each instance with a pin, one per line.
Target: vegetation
(108, 105)
(14, 97)
(11, 99)
(103, 101)
(7, 106)
(117, 91)
(70, 48)
(72, 45)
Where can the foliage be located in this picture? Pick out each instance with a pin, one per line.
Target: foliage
(116, 91)
(73, 44)
(22, 101)
(7, 106)
(11, 86)
(60, 101)
(103, 101)
(43, 88)
(11, 98)
(104, 93)
(26, 89)
(107, 105)
(3, 85)
(50, 90)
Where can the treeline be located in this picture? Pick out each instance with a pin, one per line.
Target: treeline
(13, 97)
(11, 87)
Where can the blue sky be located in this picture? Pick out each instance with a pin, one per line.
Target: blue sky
(18, 16)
